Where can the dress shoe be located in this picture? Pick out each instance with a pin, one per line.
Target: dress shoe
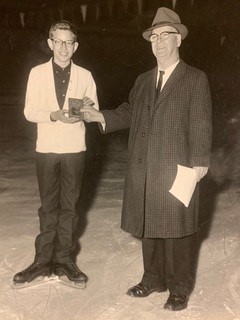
(70, 270)
(142, 290)
(176, 302)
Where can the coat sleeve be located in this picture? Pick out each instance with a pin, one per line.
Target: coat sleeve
(200, 123)
(32, 110)
(120, 118)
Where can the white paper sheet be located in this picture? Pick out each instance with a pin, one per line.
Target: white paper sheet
(184, 184)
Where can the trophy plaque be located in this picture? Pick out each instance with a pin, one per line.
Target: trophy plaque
(74, 106)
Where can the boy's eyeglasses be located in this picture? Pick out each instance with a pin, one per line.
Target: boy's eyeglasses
(60, 43)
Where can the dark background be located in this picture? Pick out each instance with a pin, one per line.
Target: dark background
(112, 48)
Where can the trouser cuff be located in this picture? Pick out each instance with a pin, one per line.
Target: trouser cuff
(153, 280)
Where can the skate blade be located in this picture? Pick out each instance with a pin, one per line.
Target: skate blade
(77, 285)
(37, 281)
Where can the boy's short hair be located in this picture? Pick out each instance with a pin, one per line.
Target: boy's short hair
(62, 25)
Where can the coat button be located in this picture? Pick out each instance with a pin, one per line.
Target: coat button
(139, 160)
(143, 134)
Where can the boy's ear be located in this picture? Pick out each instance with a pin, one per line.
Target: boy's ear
(75, 46)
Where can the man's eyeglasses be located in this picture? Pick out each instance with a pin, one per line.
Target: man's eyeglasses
(162, 36)
(59, 43)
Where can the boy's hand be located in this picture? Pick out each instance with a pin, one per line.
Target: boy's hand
(60, 116)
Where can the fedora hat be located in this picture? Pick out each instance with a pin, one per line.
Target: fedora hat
(166, 17)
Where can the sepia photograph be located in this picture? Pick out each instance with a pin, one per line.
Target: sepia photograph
(120, 160)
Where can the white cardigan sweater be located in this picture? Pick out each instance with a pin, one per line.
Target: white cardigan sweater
(41, 100)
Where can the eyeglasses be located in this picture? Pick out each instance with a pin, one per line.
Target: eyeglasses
(162, 36)
(60, 43)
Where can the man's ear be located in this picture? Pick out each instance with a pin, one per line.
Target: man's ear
(179, 40)
(75, 46)
(50, 43)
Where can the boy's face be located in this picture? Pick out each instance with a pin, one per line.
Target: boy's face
(63, 46)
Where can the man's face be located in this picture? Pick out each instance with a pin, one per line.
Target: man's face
(166, 50)
(63, 46)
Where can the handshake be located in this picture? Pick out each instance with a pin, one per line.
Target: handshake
(79, 109)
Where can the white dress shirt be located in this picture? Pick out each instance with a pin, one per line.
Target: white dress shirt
(167, 74)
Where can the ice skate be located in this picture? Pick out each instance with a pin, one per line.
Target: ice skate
(34, 274)
(70, 275)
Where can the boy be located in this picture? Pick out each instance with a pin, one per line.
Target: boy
(60, 153)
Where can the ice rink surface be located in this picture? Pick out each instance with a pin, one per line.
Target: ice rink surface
(110, 257)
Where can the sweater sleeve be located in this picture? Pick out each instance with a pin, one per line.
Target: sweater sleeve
(91, 91)
(32, 110)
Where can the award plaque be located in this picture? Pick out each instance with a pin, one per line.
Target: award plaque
(74, 106)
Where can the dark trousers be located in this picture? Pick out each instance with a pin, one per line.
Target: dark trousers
(170, 262)
(59, 179)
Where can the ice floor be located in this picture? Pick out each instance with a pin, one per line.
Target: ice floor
(110, 257)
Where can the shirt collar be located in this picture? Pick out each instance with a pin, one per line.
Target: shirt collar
(170, 69)
(56, 67)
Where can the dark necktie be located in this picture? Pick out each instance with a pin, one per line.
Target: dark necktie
(159, 85)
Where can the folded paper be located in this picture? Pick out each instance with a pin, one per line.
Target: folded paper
(184, 184)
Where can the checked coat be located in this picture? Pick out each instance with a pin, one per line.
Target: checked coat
(174, 129)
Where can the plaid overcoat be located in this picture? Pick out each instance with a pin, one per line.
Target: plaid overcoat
(175, 129)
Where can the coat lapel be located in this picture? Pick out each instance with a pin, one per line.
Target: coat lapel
(151, 88)
(172, 81)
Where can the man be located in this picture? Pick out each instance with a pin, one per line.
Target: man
(60, 153)
(169, 115)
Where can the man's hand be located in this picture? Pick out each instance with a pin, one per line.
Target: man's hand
(90, 114)
(60, 116)
(201, 172)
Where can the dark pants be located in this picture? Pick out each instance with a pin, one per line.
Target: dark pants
(59, 180)
(170, 262)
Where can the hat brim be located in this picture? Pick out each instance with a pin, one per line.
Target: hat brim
(181, 28)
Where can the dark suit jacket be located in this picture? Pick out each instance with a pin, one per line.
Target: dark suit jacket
(176, 129)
